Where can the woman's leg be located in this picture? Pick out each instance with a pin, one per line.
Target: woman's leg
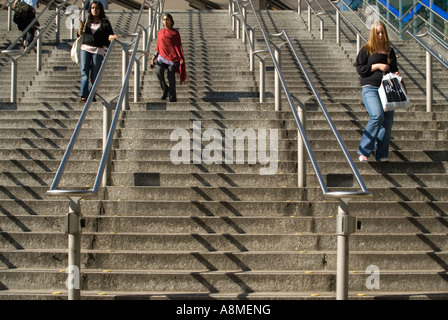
(383, 138)
(160, 71)
(85, 65)
(97, 60)
(172, 82)
(372, 130)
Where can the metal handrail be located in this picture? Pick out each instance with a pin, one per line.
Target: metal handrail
(15, 55)
(94, 190)
(401, 30)
(359, 35)
(429, 52)
(334, 194)
(317, 14)
(73, 218)
(345, 224)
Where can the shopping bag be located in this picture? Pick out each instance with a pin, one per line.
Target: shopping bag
(76, 49)
(392, 93)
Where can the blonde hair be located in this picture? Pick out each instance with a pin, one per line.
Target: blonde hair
(372, 45)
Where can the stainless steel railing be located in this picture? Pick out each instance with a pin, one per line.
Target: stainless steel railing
(15, 54)
(73, 218)
(430, 52)
(345, 224)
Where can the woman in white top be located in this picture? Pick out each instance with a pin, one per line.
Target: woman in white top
(98, 34)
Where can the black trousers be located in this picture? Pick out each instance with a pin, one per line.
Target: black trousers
(171, 75)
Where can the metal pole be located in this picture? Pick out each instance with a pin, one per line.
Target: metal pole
(58, 26)
(136, 79)
(309, 18)
(252, 48)
(9, 17)
(344, 227)
(39, 53)
(107, 120)
(244, 24)
(321, 29)
(73, 228)
(262, 79)
(125, 62)
(428, 82)
(338, 27)
(278, 101)
(13, 80)
(145, 48)
(301, 156)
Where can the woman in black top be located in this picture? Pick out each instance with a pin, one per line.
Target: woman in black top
(374, 59)
(98, 34)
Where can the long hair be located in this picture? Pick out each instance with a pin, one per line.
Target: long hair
(372, 45)
(102, 15)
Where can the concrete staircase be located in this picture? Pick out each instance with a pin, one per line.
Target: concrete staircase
(223, 230)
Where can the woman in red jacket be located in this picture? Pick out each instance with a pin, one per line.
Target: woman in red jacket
(169, 56)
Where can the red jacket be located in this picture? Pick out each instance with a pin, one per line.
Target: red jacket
(169, 46)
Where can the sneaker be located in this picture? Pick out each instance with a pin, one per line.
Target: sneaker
(363, 158)
(383, 160)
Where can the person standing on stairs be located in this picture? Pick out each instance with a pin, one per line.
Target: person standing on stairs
(169, 56)
(98, 33)
(374, 59)
(25, 13)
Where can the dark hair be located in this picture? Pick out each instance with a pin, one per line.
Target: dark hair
(169, 16)
(102, 12)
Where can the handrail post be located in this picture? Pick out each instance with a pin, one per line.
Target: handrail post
(244, 13)
(9, 17)
(262, 79)
(301, 150)
(125, 62)
(344, 227)
(429, 87)
(309, 18)
(278, 101)
(358, 42)
(58, 25)
(338, 27)
(145, 48)
(13, 80)
(322, 31)
(107, 121)
(299, 9)
(73, 229)
(136, 80)
(252, 49)
(39, 53)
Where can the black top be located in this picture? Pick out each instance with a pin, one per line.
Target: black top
(364, 62)
(101, 37)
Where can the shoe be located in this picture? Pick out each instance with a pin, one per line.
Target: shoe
(82, 100)
(164, 95)
(383, 160)
(363, 158)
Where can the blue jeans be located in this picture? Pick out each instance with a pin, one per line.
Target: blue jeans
(378, 129)
(90, 65)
